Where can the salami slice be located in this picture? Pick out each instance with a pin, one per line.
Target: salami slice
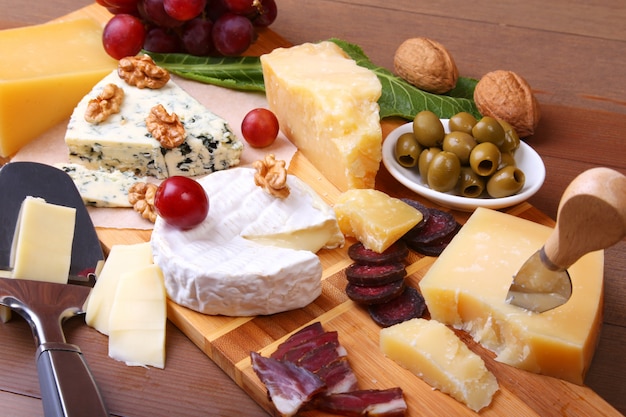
(436, 247)
(394, 253)
(368, 275)
(439, 225)
(410, 304)
(374, 294)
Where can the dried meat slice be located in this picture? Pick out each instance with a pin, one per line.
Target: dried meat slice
(371, 403)
(368, 275)
(440, 223)
(301, 336)
(296, 353)
(321, 356)
(338, 376)
(410, 304)
(374, 294)
(289, 386)
(394, 253)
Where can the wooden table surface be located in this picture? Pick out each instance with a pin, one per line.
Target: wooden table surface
(572, 54)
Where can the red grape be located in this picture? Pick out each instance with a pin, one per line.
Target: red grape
(162, 41)
(232, 34)
(123, 36)
(184, 9)
(267, 14)
(197, 38)
(181, 202)
(242, 7)
(260, 127)
(153, 11)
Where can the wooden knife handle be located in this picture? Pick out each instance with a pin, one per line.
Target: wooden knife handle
(591, 216)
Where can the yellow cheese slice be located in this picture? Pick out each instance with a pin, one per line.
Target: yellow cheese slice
(138, 318)
(433, 352)
(122, 259)
(44, 72)
(466, 287)
(374, 218)
(42, 244)
(327, 106)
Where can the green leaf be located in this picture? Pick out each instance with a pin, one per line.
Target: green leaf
(238, 73)
(401, 99)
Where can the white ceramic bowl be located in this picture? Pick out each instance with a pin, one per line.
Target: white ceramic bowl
(525, 157)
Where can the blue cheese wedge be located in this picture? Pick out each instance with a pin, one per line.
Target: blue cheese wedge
(101, 188)
(122, 142)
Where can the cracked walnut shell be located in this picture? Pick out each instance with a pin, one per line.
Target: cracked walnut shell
(507, 96)
(108, 102)
(141, 196)
(271, 175)
(426, 64)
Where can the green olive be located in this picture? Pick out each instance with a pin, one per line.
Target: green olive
(507, 181)
(425, 158)
(460, 144)
(506, 159)
(511, 139)
(485, 159)
(444, 171)
(407, 150)
(470, 184)
(462, 122)
(428, 129)
(488, 129)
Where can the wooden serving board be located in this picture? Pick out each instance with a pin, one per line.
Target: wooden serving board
(228, 341)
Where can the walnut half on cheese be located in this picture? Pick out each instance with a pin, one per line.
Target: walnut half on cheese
(327, 106)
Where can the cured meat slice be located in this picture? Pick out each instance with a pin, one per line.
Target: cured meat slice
(289, 386)
(302, 335)
(371, 403)
(359, 274)
(410, 304)
(296, 353)
(321, 356)
(375, 294)
(437, 246)
(338, 376)
(394, 253)
(440, 223)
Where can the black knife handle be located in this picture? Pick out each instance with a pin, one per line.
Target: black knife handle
(68, 388)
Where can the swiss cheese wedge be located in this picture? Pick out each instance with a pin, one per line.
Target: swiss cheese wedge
(467, 286)
(327, 106)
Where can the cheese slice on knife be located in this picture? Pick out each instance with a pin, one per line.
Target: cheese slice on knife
(467, 286)
(327, 106)
(122, 142)
(253, 254)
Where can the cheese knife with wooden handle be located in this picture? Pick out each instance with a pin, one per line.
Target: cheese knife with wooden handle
(591, 216)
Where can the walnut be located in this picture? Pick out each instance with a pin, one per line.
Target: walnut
(507, 96)
(107, 103)
(272, 176)
(141, 196)
(164, 127)
(426, 64)
(142, 72)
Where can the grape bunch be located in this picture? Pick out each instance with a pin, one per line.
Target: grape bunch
(196, 27)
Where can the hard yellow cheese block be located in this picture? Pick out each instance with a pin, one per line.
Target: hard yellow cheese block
(122, 259)
(42, 244)
(374, 218)
(327, 106)
(138, 318)
(44, 72)
(466, 287)
(433, 352)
